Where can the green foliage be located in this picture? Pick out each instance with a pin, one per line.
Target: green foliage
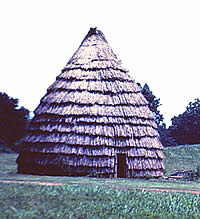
(13, 120)
(71, 201)
(165, 136)
(185, 128)
(154, 103)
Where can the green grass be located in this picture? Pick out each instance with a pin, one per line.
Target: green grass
(35, 201)
(93, 197)
(183, 157)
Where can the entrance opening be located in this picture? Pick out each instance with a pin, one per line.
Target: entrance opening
(121, 165)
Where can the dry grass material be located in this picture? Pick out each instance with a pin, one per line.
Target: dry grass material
(90, 115)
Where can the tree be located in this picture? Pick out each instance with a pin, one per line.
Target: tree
(154, 103)
(13, 120)
(166, 136)
(185, 127)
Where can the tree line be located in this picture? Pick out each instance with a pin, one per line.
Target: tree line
(185, 128)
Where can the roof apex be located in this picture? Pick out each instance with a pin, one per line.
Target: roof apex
(95, 31)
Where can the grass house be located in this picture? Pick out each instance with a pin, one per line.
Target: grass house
(93, 121)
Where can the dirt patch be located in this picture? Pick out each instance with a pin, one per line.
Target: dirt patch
(61, 184)
(171, 190)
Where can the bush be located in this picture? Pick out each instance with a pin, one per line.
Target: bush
(185, 128)
(13, 120)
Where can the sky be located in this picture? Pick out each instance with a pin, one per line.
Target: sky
(157, 41)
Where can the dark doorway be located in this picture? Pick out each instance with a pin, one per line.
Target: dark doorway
(121, 165)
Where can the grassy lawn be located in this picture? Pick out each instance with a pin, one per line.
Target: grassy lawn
(33, 201)
(182, 158)
(92, 197)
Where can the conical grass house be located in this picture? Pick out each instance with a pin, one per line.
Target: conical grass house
(93, 121)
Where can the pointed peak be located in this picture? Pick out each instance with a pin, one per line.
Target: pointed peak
(92, 31)
(93, 52)
(95, 31)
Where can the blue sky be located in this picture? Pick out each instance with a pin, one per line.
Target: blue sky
(158, 42)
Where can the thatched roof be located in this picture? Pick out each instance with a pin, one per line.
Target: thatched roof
(93, 112)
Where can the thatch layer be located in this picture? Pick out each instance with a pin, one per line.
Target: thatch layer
(81, 150)
(100, 120)
(91, 114)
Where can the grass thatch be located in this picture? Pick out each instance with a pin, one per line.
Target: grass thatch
(93, 112)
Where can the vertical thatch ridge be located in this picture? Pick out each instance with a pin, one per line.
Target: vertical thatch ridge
(93, 112)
